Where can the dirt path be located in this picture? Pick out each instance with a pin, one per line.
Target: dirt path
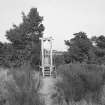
(47, 89)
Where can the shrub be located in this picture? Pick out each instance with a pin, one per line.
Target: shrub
(81, 81)
(22, 87)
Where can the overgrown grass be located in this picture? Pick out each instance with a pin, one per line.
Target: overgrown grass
(81, 82)
(19, 87)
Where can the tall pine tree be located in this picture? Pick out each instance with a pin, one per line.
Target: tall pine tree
(25, 39)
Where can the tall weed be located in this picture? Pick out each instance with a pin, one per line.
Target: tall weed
(21, 87)
(81, 82)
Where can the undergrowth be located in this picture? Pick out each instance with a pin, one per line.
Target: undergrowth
(81, 82)
(19, 86)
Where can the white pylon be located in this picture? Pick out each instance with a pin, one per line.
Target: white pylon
(46, 57)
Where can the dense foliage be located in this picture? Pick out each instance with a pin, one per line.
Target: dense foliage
(24, 41)
(84, 49)
(58, 60)
(79, 47)
(81, 81)
(19, 87)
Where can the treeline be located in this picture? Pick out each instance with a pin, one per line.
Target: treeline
(85, 50)
(24, 44)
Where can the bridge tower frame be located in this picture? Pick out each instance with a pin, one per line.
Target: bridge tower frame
(46, 57)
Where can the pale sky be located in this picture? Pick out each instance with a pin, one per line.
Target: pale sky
(62, 18)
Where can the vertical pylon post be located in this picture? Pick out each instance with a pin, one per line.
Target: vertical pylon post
(51, 67)
(42, 56)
